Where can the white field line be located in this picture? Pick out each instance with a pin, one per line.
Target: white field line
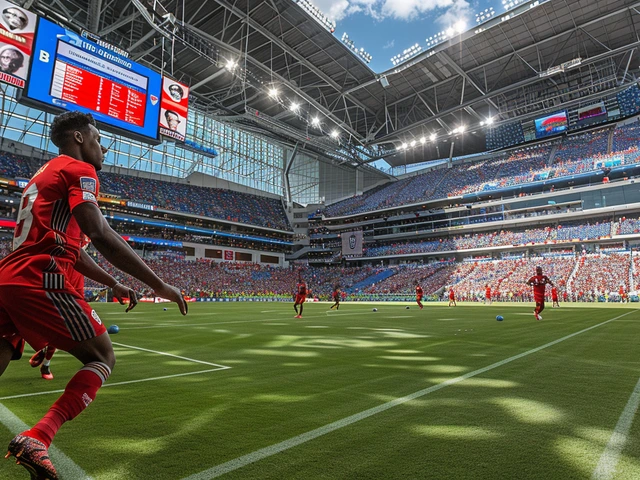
(193, 360)
(150, 379)
(66, 467)
(245, 460)
(608, 461)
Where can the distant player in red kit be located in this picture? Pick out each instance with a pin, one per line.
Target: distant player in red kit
(419, 294)
(301, 296)
(554, 297)
(487, 295)
(623, 294)
(539, 283)
(452, 297)
(336, 297)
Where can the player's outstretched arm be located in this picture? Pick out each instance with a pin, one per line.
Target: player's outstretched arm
(120, 254)
(90, 269)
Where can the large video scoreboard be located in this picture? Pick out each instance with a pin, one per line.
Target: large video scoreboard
(69, 72)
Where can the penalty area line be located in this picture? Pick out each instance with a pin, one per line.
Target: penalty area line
(66, 467)
(271, 450)
(217, 368)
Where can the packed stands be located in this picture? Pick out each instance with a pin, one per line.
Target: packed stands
(581, 153)
(209, 202)
(599, 274)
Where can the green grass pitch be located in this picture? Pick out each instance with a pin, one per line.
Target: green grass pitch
(246, 391)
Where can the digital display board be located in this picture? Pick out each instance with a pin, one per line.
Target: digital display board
(174, 108)
(17, 29)
(591, 111)
(74, 73)
(551, 124)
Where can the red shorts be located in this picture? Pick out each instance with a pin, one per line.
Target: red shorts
(555, 299)
(17, 343)
(59, 318)
(300, 299)
(418, 298)
(538, 299)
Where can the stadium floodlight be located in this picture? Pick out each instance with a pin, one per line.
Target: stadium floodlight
(489, 121)
(359, 52)
(449, 32)
(315, 121)
(460, 129)
(432, 137)
(406, 54)
(404, 146)
(294, 107)
(423, 140)
(273, 93)
(335, 134)
(231, 65)
(315, 13)
(413, 143)
(460, 26)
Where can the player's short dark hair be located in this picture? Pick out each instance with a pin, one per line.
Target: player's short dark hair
(66, 123)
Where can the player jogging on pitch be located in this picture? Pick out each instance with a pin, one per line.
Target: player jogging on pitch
(301, 296)
(539, 283)
(487, 295)
(452, 297)
(58, 205)
(336, 297)
(554, 297)
(419, 294)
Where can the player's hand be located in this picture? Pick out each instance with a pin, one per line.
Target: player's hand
(121, 292)
(172, 293)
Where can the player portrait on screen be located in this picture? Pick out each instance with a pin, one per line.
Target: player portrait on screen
(15, 19)
(171, 120)
(11, 59)
(174, 107)
(176, 92)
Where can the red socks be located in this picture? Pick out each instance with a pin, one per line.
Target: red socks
(79, 393)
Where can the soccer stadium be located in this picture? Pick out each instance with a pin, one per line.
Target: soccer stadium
(398, 263)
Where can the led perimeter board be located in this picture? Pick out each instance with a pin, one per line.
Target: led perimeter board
(69, 72)
(551, 124)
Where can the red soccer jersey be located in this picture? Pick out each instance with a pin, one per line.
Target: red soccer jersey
(554, 293)
(452, 295)
(418, 290)
(487, 292)
(47, 238)
(539, 284)
(302, 288)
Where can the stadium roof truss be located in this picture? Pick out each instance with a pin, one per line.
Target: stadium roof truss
(503, 68)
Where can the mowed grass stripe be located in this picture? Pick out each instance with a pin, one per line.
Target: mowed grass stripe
(266, 452)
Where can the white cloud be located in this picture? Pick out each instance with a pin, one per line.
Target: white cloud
(390, 44)
(397, 9)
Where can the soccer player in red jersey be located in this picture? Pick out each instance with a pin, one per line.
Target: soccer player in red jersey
(539, 283)
(336, 297)
(419, 294)
(554, 297)
(42, 358)
(58, 205)
(301, 296)
(487, 295)
(452, 297)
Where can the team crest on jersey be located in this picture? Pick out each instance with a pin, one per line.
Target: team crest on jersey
(89, 196)
(96, 317)
(88, 184)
